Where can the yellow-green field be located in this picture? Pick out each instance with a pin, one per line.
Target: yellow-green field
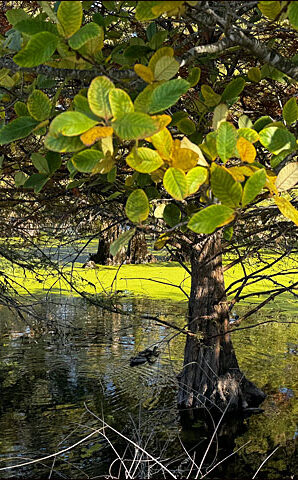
(161, 280)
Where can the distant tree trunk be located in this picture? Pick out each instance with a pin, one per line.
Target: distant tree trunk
(211, 374)
(135, 252)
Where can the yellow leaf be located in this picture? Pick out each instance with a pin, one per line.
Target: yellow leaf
(144, 72)
(239, 173)
(270, 9)
(185, 143)
(161, 241)
(287, 209)
(166, 7)
(163, 143)
(162, 120)
(236, 173)
(246, 150)
(107, 145)
(270, 185)
(94, 134)
(184, 159)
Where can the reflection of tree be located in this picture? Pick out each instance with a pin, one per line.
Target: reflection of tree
(275, 427)
(87, 359)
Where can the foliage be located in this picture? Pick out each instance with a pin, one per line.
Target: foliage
(103, 111)
(141, 116)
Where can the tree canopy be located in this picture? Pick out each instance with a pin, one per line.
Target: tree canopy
(175, 119)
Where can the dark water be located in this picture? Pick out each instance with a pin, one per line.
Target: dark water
(58, 384)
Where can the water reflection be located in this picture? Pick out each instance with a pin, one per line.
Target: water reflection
(82, 357)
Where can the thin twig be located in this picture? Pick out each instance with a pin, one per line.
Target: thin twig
(267, 458)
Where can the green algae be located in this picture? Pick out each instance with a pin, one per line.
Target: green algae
(158, 281)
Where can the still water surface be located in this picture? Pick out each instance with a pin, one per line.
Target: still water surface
(57, 384)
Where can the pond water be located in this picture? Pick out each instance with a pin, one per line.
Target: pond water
(59, 384)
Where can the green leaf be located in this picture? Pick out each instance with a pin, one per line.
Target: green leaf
(71, 124)
(233, 89)
(70, 16)
(290, 111)
(261, 123)
(17, 129)
(249, 134)
(226, 141)
(39, 105)
(86, 161)
(158, 39)
(54, 161)
(287, 177)
(275, 160)
(254, 74)
(16, 15)
(194, 76)
(209, 147)
(244, 122)
(167, 94)
(165, 68)
(142, 102)
(210, 97)
(59, 143)
(277, 139)
(172, 214)
(21, 109)
(98, 96)
(43, 81)
(32, 26)
(37, 51)
(120, 102)
(112, 174)
(137, 206)
(121, 241)
(267, 71)
(48, 11)
(151, 30)
(133, 52)
(253, 186)
(80, 104)
(144, 11)
(219, 115)
(186, 126)
(228, 233)
(174, 181)
(20, 178)
(195, 178)
(87, 32)
(269, 9)
(36, 181)
(293, 14)
(225, 187)
(161, 52)
(40, 163)
(135, 125)
(144, 160)
(207, 220)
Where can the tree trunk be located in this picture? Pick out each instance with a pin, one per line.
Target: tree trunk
(135, 252)
(211, 376)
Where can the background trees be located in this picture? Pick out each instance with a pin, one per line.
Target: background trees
(170, 119)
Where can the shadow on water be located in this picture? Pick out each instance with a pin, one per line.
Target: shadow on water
(83, 360)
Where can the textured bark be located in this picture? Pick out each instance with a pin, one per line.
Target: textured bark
(135, 252)
(211, 376)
